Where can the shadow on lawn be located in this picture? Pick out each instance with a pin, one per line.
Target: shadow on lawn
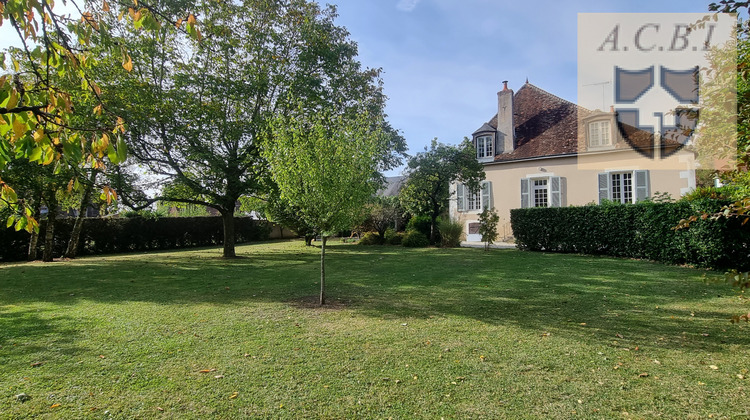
(645, 303)
(18, 327)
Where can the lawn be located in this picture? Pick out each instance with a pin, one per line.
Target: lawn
(409, 333)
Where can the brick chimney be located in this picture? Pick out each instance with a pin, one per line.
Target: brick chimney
(505, 127)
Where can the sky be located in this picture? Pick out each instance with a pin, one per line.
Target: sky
(444, 61)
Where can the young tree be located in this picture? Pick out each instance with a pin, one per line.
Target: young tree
(430, 173)
(196, 110)
(325, 164)
(488, 220)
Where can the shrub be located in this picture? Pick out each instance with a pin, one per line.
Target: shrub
(643, 230)
(131, 234)
(415, 239)
(392, 237)
(450, 232)
(421, 224)
(371, 238)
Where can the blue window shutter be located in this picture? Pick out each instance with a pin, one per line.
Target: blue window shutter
(525, 193)
(486, 195)
(642, 185)
(603, 187)
(460, 197)
(555, 191)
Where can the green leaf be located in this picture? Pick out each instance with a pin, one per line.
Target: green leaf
(11, 219)
(112, 154)
(122, 149)
(36, 154)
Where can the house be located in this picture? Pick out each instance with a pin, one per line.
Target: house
(540, 150)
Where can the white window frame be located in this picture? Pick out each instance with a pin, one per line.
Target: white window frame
(612, 184)
(485, 146)
(599, 134)
(553, 186)
(468, 201)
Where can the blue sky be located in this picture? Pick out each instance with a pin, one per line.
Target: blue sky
(445, 60)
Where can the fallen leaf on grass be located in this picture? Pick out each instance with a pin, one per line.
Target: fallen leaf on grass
(54, 405)
(218, 376)
(740, 376)
(619, 335)
(714, 367)
(206, 370)
(37, 364)
(234, 395)
(643, 375)
(101, 356)
(159, 408)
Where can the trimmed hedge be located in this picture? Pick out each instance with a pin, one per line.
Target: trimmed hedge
(135, 234)
(642, 230)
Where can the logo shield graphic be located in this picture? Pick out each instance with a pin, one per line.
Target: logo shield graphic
(676, 121)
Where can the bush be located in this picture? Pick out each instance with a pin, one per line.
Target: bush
(392, 237)
(371, 238)
(133, 234)
(421, 224)
(415, 239)
(643, 230)
(450, 232)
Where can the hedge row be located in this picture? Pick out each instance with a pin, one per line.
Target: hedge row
(643, 230)
(119, 235)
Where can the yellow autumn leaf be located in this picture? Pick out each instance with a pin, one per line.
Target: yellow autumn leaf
(234, 395)
(128, 65)
(38, 135)
(105, 6)
(19, 128)
(54, 405)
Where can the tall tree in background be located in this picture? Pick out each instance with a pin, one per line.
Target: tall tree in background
(430, 173)
(196, 110)
(325, 165)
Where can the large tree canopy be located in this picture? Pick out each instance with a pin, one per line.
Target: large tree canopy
(196, 109)
(430, 173)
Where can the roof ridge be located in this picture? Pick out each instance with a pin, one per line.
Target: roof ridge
(533, 86)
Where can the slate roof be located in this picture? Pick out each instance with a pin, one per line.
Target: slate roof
(547, 125)
(392, 186)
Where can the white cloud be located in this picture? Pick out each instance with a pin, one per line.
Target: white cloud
(407, 5)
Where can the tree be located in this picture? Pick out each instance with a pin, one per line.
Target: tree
(488, 220)
(197, 110)
(382, 213)
(51, 77)
(430, 173)
(325, 164)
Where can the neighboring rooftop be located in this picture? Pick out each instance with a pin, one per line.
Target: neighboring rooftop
(393, 186)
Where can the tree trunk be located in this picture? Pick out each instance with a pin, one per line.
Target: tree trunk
(75, 235)
(227, 218)
(34, 240)
(323, 271)
(433, 230)
(49, 234)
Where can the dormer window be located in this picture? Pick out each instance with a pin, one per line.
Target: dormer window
(485, 147)
(600, 134)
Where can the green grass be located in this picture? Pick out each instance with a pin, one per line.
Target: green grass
(409, 333)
